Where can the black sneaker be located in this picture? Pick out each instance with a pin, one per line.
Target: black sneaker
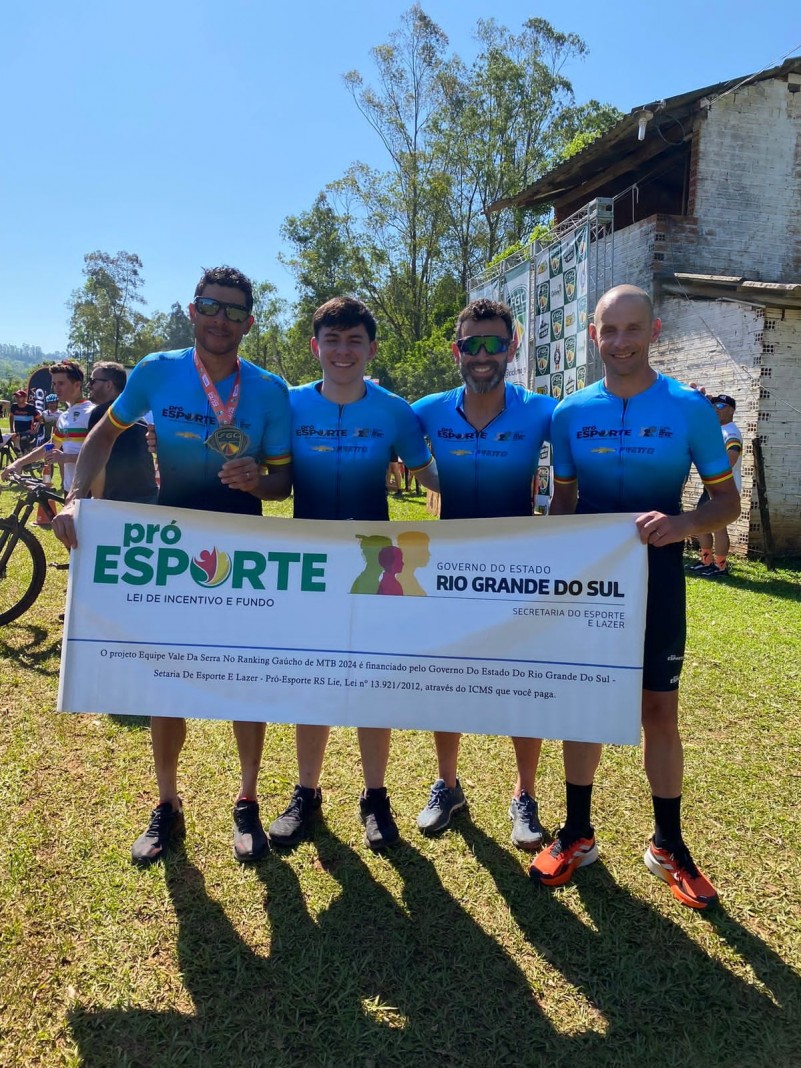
(166, 823)
(293, 823)
(380, 828)
(697, 567)
(250, 841)
(714, 572)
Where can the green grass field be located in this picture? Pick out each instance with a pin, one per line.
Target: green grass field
(440, 953)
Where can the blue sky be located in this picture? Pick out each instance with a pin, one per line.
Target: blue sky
(186, 132)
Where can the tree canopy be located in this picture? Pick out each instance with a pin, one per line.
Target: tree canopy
(456, 138)
(406, 233)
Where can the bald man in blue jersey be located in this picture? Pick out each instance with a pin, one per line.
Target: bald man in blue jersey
(625, 444)
(486, 437)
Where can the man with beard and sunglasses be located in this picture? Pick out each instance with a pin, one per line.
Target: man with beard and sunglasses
(207, 405)
(486, 437)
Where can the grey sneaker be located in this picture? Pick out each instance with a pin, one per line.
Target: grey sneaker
(250, 841)
(442, 804)
(380, 828)
(293, 823)
(166, 824)
(527, 831)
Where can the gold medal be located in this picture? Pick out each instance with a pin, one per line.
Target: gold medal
(228, 441)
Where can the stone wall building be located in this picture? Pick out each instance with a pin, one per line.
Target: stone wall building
(706, 193)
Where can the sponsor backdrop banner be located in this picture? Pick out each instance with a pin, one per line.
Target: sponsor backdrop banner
(560, 323)
(497, 626)
(514, 292)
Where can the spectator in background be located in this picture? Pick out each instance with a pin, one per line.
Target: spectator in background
(130, 473)
(50, 414)
(23, 420)
(714, 565)
(71, 426)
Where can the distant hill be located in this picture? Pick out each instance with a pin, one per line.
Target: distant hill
(28, 355)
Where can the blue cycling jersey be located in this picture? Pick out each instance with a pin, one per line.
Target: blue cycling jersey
(486, 473)
(340, 452)
(633, 454)
(167, 384)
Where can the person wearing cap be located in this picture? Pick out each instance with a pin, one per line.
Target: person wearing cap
(713, 562)
(23, 419)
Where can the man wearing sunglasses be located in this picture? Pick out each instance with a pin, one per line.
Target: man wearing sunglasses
(129, 474)
(192, 393)
(486, 438)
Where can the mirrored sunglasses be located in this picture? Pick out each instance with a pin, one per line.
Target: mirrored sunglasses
(490, 343)
(234, 313)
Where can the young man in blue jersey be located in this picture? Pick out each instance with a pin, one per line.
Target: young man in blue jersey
(344, 430)
(657, 428)
(486, 437)
(190, 393)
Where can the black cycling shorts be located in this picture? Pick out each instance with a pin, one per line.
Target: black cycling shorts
(665, 619)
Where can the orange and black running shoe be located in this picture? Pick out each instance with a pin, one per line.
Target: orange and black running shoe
(555, 866)
(678, 870)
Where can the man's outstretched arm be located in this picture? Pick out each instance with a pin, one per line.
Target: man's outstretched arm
(92, 460)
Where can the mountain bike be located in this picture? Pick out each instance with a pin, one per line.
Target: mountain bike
(23, 567)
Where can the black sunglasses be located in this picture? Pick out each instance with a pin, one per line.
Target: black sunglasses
(490, 343)
(234, 313)
(92, 381)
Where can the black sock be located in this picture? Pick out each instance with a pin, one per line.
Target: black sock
(375, 791)
(577, 820)
(667, 822)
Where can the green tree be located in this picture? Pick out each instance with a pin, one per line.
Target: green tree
(323, 262)
(407, 238)
(104, 319)
(178, 332)
(395, 218)
(506, 118)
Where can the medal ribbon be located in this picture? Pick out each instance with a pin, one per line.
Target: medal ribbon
(224, 413)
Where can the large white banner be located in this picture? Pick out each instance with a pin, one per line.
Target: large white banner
(529, 627)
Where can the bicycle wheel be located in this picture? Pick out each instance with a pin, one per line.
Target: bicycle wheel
(23, 576)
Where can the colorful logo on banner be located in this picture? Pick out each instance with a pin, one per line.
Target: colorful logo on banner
(211, 568)
(389, 568)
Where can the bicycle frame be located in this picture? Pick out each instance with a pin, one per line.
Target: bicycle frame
(35, 493)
